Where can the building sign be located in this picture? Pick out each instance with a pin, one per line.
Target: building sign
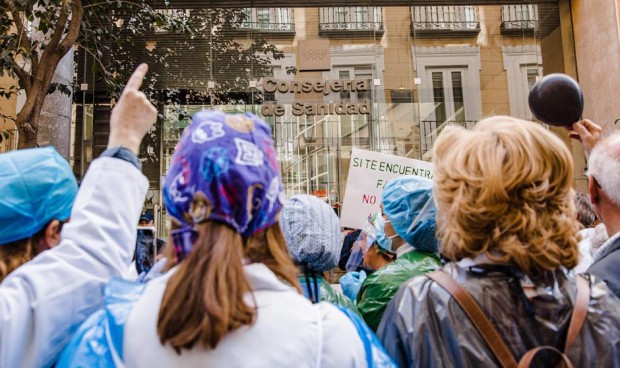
(271, 85)
(368, 173)
(313, 55)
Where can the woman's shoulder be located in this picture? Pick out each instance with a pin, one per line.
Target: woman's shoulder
(341, 345)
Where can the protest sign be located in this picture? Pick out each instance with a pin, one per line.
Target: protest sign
(368, 173)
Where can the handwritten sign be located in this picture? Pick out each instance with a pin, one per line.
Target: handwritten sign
(369, 172)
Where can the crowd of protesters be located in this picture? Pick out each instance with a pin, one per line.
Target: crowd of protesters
(497, 261)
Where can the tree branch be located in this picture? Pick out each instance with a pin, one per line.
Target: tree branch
(24, 77)
(77, 12)
(105, 71)
(59, 29)
(23, 39)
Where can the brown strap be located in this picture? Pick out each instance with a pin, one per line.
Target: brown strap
(580, 311)
(477, 317)
(526, 360)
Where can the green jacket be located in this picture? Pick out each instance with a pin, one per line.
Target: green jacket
(380, 286)
(328, 294)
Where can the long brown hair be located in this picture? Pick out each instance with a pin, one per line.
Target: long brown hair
(15, 254)
(204, 299)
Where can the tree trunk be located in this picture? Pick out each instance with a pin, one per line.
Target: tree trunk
(27, 131)
(41, 76)
(54, 123)
(26, 140)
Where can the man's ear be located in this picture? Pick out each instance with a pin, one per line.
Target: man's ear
(52, 235)
(594, 189)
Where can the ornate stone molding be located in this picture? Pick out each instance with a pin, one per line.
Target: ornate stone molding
(343, 50)
(446, 50)
(521, 49)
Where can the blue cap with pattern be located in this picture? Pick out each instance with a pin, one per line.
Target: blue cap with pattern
(312, 232)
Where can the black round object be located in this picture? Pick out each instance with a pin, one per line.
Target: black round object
(556, 99)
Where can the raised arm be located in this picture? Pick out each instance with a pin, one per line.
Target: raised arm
(44, 301)
(588, 133)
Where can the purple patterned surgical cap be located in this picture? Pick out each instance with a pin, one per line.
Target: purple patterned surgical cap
(225, 170)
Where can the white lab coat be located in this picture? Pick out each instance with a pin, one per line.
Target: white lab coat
(289, 332)
(43, 302)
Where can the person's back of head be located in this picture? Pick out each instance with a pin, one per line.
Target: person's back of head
(224, 193)
(408, 203)
(585, 211)
(503, 189)
(38, 190)
(604, 181)
(312, 232)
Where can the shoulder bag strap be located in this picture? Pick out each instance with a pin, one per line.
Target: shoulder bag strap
(580, 311)
(477, 317)
(528, 358)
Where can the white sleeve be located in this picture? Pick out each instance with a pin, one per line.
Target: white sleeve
(44, 301)
(341, 346)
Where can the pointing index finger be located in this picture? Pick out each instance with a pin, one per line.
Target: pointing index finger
(135, 81)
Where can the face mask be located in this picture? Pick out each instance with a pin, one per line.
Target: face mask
(384, 241)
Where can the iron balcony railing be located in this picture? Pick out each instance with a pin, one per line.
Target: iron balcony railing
(350, 18)
(445, 20)
(430, 130)
(518, 18)
(277, 20)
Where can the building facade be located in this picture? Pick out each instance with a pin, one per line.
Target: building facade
(385, 78)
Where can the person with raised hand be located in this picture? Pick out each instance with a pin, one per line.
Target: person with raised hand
(44, 301)
(603, 154)
(230, 296)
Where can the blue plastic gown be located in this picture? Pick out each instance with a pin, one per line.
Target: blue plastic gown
(99, 341)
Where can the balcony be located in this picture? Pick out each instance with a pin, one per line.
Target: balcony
(269, 20)
(518, 19)
(350, 20)
(444, 21)
(430, 130)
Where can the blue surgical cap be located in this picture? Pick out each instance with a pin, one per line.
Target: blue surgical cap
(312, 232)
(408, 203)
(37, 186)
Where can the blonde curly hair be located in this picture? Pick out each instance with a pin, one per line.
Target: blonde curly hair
(504, 189)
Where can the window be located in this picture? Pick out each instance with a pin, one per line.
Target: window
(448, 97)
(364, 74)
(450, 90)
(532, 75)
(353, 18)
(361, 14)
(262, 16)
(517, 18)
(523, 65)
(444, 14)
(342, 15)
(355, 73)
(344, 75)
(268, 19)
